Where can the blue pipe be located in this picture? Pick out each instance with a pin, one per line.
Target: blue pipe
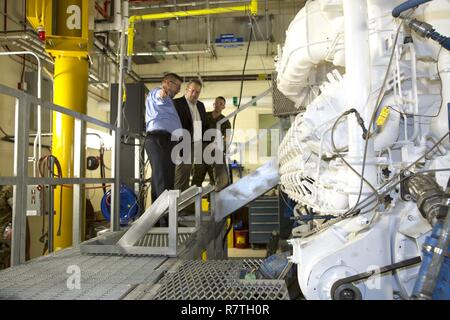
(442, 40)
(406, 6)
(442, 286)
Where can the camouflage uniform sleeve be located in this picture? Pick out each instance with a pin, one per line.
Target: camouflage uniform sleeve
(6, 192)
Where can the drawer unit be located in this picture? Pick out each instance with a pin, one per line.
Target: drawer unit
(263, 219)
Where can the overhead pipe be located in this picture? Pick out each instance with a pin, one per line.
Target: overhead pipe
(31, 46)
(187, 4)
(123, 23)
(22, 42)
(211, 78)
(171, 53)
(27, 40)
(28, 47)
(21, 34)
(113, 57)
(252, 7)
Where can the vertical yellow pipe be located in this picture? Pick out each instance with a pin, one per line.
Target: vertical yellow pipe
(67, 24)
(254, 7)
(131, 31)
(70, 91)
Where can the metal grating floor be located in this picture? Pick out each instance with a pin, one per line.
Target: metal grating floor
(102, 277)
(217, 280)
(160, 240)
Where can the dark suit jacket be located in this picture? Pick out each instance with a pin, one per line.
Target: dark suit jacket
(182, 107)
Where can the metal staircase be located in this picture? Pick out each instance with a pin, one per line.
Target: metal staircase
(143, 238)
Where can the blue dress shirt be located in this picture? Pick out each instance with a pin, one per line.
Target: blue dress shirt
(160, 113)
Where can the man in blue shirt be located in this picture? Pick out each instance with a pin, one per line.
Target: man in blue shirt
(161, 121)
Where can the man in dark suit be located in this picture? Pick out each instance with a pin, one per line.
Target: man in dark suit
(192, 114)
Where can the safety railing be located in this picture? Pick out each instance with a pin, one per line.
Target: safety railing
(20, 179)
(219, 142)
(253, 185)
(145, 239)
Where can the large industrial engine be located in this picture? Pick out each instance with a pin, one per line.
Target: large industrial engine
(368, 161)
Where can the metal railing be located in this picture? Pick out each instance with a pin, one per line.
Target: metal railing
(20, 179)
(37, 145)
(219, 142)
(142, 236)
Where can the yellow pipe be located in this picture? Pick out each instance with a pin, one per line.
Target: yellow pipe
(253, 8)
(70, 91)
(68, 42)
(130, 44)
(190, 13)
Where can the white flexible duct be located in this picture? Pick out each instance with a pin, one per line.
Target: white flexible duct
(306, 46)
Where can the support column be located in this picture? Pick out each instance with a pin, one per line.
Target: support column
(70, 91)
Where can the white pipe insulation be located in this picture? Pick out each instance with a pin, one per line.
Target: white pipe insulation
(358, 86)
(308, 45)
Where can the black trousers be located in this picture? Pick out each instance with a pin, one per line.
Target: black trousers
(159, 148)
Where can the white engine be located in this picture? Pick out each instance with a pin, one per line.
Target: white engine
(352, 54)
